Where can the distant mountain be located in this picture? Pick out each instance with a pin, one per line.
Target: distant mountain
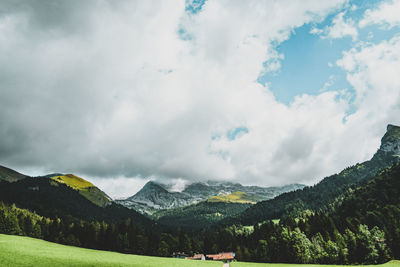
(154, 196)
(325, 192)
(202, 191)
(10, 175)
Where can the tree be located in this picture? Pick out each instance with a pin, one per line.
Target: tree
(262, 253)
(28, 225)
(10, 224)
(332, 250)
(301, 247)
(319, 255)
(163, 249)
(366, 251)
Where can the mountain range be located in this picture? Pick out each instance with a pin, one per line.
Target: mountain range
(156, 196)
(199, 203)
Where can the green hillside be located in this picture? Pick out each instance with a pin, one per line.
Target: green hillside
(235, 197)
(199, 215)
(85, 188)
(26, 251)
(73, 181)
(207, 212)
(52, 199)
(327, 190)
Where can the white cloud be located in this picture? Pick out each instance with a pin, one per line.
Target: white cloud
(119, 187)
(114, 91)
(328, 84)
(373, 72)
(316, 31)
(386, 14)
(340, 28)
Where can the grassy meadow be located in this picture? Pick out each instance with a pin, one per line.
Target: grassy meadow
(26, 251)
(235, 197)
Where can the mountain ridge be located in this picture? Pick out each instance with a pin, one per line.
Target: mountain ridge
(84, 187)
(156, 196)
(10, 175)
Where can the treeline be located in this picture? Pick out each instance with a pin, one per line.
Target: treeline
(125, 236)
(278, 243)
(268, 242)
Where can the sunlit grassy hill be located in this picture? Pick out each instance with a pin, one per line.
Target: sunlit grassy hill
(85, 188)
(235, 197)
(73, 181)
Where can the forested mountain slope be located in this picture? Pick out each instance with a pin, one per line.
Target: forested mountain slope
(197, 216)
(361, 227)
(52, 199)
(325, 192)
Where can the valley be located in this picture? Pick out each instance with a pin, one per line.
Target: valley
(347, 218)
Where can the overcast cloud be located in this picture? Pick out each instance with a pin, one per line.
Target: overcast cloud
(139, 90)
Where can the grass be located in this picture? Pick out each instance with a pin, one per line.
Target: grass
(85, 188)
(73, 181)
(235, 197)
(26, 251)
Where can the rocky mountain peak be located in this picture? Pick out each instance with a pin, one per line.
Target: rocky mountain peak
(150, 188)
(390, 142)
(153, 185)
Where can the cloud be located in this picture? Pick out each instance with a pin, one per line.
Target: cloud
(340, 28)
(386, 14)
(113, 89)
(119, 187)
(372, 71)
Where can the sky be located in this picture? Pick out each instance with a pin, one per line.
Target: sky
(263, 93)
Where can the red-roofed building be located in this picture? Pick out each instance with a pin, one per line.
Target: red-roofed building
(197, 257)
(223, 256)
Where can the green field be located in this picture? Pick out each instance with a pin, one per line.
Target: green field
(26, 251)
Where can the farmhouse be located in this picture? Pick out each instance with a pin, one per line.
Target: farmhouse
(197, 257)
(223, 256)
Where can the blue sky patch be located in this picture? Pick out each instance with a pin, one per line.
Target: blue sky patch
(309, 60)
(194, 6)
(236, 132)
